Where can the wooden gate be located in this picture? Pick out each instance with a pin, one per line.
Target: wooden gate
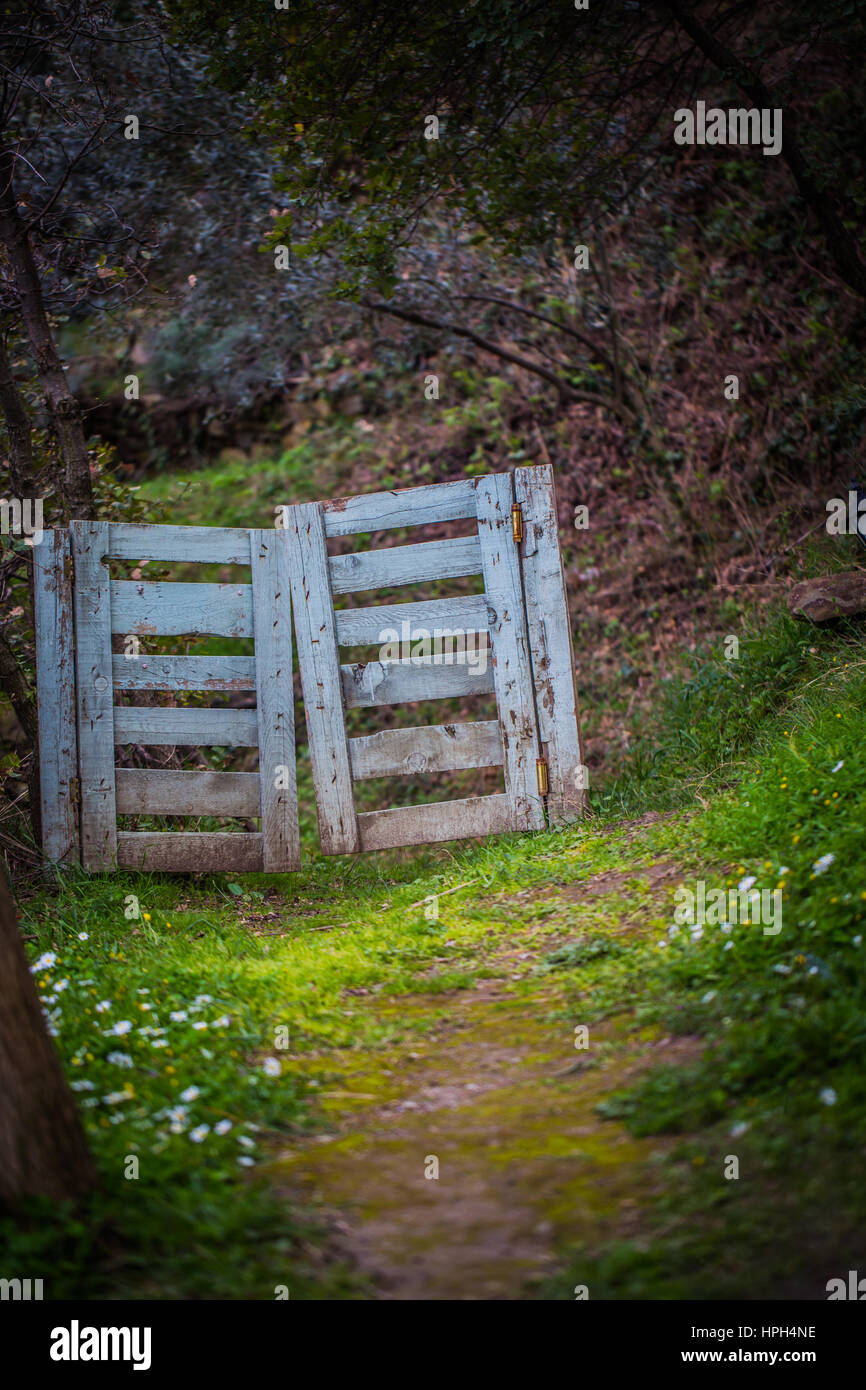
(81, 723)
(84, 616)
(523, 612)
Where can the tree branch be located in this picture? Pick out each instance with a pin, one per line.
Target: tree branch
(460, 331)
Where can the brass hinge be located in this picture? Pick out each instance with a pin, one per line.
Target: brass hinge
(75, 790)
(67, 568)
(541, 774)
(517, 523)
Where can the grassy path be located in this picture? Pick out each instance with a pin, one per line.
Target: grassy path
(457, 1163)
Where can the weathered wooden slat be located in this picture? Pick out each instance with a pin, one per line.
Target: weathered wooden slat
(95, 696)
(272, 609)
(319, 662)
(434, 748)
(189, 851)
(405, 564)
(213, 545)
(440, 820)
(412, 506)
(550, 644)
(55, 689)
(219, 728)
(361, 626)
(369, 683)
(149, 672)
(157, 792)
(512, 669)
(171, 610)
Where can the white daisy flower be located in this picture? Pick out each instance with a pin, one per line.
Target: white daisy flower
(246, 1141)
(821, 865)
(827, 1096)
(178, 1016)
(746, 883)
(199, 1133)
(120, 1059)
(123, 1026)
(199, 1026)
(271, 1067)
(246, 1162)
(83, 936)
(222, 1127)
(737, 1130)
(81, 1086)
(839, 765)
(103, 1005)
(45, 962)
(709, 996)
(191, 1093)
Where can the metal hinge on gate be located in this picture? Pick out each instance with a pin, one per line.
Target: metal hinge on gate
(542, 775)
(517, 523)
(75, 790)
(67, 568)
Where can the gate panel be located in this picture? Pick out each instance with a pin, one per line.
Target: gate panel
(260, 609)
(511, 741)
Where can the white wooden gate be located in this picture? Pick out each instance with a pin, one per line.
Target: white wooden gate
(529, 668)
(523, 610)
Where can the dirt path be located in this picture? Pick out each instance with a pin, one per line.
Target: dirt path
(497, 1096)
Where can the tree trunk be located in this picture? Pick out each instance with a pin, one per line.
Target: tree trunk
(14, 685)
(63, 407)
(21, 475)
(43, 1151)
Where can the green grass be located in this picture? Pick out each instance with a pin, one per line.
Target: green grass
(773, 751)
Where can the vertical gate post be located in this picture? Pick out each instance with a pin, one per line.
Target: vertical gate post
(551, 644)
(95, 694)
(512, 669)
(272, 621)
(55, 692)
(319, 662)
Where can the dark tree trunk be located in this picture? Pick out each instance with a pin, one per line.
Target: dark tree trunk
(62, 405)
(14, 685)
(43, 1151)
(21, 476)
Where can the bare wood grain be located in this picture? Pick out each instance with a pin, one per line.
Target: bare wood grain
(92, 603)
(318, 660)
(437, 821)
(550, 644)
(272, 609)
(189, 851)
(432, 748)
(512, 669)
(161, 792)
(55, 688)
